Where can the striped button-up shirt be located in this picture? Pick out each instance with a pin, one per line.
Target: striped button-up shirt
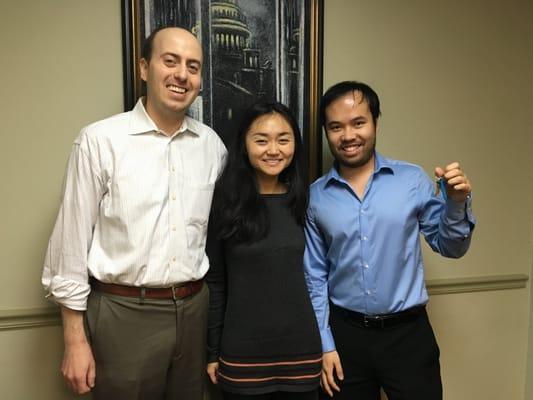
(135, 207)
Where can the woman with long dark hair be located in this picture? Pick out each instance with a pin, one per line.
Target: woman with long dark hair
(263, 340)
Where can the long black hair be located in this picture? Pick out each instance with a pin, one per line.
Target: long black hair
(239, 210)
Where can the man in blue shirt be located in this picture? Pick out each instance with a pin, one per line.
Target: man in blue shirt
(363, 259)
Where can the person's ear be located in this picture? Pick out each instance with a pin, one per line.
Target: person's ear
(143, 69)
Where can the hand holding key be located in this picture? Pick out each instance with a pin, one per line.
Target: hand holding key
(453, 182)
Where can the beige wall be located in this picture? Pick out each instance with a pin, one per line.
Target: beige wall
(529, 372)
(61, 69)
(455, 82)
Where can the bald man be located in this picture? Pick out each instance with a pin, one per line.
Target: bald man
(126, 258)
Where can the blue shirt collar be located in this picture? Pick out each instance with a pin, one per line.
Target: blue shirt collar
(381, 165)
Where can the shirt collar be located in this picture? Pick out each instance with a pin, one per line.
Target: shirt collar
(381, 164)
(142, 123)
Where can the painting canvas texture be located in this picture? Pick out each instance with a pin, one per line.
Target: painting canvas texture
(253, 51)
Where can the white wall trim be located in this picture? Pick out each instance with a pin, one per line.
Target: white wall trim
(50, 316)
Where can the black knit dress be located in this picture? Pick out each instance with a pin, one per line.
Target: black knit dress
(262, 328)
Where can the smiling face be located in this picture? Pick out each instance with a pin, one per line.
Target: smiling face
(350, 130)
(270, 147)
(172, 74)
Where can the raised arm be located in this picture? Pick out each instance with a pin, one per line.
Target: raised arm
(446, 219)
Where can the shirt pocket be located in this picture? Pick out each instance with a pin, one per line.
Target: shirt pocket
(197, 203)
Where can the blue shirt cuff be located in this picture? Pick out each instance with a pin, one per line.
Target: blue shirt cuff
(328, 344)
(460, 211)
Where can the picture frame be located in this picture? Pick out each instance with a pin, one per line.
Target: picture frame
(253, 50)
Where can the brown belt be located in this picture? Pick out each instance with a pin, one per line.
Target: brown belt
(179, 291)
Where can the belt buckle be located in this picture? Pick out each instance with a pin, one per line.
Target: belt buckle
(173, 289)
(373, 321)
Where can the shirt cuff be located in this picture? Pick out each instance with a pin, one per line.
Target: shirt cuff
(460, 211)
(328, 344)
(68, 293)
(212, 356)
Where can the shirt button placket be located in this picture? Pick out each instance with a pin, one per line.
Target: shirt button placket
(363, 217)
(173, 207)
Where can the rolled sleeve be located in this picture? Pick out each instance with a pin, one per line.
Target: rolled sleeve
(65, 272)
(69, 293)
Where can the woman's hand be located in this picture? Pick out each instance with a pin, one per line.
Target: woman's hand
(212, 371)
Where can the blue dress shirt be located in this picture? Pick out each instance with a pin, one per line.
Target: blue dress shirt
(364, 254)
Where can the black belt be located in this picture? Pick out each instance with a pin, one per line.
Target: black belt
(379, 320)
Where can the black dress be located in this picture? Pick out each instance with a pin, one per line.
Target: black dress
(262, 328)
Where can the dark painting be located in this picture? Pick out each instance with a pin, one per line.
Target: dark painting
(253, 50)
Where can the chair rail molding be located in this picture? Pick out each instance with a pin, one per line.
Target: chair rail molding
(29, 318)
(476, 284)
(24, 318)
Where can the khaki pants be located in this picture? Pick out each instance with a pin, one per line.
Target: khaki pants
(148, 349)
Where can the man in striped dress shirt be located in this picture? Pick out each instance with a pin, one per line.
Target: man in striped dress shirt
(126, 257)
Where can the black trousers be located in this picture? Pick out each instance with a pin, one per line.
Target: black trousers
(313, 395)
(402, 359)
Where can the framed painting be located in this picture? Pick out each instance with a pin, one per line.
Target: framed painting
(254, 50)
